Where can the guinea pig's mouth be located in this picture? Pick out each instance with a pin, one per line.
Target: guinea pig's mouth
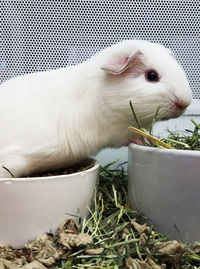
(175, 108)
(172, 113)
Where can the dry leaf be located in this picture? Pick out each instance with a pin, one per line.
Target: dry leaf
(197, 250)
(94, 251)
(69, 226)
(143, 239)
(12, 264)
(9, 258)
(171, 247)
(154, 265)
(46, 252)
(2, 265)
(124, 233)
(6, 252)
(74, 240)
(140, 228)
(34, 265)
(5, 264)
(131, 262)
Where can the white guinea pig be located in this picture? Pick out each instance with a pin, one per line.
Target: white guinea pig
(52, 119)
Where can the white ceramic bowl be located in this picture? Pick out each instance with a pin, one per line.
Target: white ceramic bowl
(164, 185)
(31, 206)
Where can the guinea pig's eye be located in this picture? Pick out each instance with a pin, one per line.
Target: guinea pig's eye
(151, 76)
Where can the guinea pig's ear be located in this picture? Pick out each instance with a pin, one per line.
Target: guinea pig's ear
(118, 65)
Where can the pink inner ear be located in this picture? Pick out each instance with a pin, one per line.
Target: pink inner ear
(123, 61)
(118, 64)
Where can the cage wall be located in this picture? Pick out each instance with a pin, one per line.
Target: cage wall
(39, 35)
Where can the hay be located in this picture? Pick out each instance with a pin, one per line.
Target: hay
(114, 236)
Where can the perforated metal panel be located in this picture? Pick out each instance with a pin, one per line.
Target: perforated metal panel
(40, 35)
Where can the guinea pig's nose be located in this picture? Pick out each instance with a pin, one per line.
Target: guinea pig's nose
(181, 104)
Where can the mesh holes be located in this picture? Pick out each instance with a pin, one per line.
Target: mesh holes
(41, 35)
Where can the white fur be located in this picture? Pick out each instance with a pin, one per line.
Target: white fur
(52, 119)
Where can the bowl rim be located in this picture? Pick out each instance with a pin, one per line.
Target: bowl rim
(67, 176)
(133, 146)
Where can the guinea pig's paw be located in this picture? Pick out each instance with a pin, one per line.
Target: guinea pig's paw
(139, 140)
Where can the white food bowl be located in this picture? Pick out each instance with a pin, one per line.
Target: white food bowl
(35, 205)
(164, 185)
